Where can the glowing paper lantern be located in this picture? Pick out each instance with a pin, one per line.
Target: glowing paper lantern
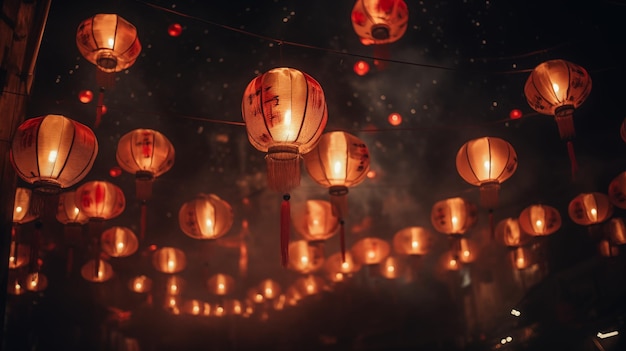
(339, 268)
(174, 285)
(100, 200)
(220, 284)
(169, 260)
(380, 21)
(521, 257)
(22, 212)
(540, 220)
(509, 233)
(392, 268)
(309, 285)
(119, 242)
(464, 250)
(36, 282)
(557, 88)
(615, 230)
(207, 216)
(414, 241)
(68, 212)
(269, 289)
(140, 284)
(305, 258)
(53, 152)
(370, 250)
(453, 216)
(97, 271)
(19, 254)
(607, 249)
(315, 221)
(590, 208)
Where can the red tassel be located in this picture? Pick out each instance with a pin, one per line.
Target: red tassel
(144, 220)
(492, 231)
(99, 108)
(572, 158)
(342, 240)
(285, 226)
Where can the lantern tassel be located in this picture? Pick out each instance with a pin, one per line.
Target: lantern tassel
(283, 168)
(143, 220)
(342, 240)
(285, 214)
(572, 158)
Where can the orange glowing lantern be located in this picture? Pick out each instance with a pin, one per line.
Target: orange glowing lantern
(100, 200)
(22, 211)
(220, 284)
(395, 119)
(97, 271)
(207, 216)
(269, 289)
(449, 261)
(169, 260)
(607, 249)
(174, 285)
(255, 295)
(53, 152)
(540, 220)
(338, 268)
(315, 221)
(68, 212)
(510, 233)
(305, 258)
(15, 284)
(110, 43)
(370, 250)
(309, 285)
(557, 88)
(119, 242)
(85, 96)
(196, 308)
(616, 231)
(140, 284)
(338, 162)
(19, 254)
(36, 282)
(617, 191)
(361, 68)
(590, 208)
(414, 241)
(391, 267)
(521, 257)
(233, 307)
(464, 250)
(453, 216)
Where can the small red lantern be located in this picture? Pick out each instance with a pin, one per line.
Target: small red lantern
(515, 114)
(174, 30)
(361, 68)
(395, 119)
(85, 96)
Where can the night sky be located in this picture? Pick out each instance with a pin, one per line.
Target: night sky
(455, 75)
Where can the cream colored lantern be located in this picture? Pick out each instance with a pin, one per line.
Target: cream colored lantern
(207, 216)
(540, 220)
(453, 216)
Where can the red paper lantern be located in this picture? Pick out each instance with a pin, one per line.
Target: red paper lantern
(174, 30)
(361, 68)
(380, 21)
(515, 114)
(207, 216)
(85, 96)
(100, 200)
(395, 119)
(540, 220)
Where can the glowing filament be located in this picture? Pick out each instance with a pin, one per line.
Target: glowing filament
(391, 269)
(304, 259)
(466, 253)
(288, 118)
(173, 289)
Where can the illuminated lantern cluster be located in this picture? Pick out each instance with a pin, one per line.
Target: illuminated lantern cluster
(380, 21)
(207, 216)
(53, 152)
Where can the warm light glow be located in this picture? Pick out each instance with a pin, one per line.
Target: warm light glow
(209, 226)
(594, 214)
(120, 246)
(220, 287)
(555, 87)
(391, 269)
(258, 298)
(310, 288)
(466, 253)
(304, 259)
(452, 263)
(173, 289)
(371, 254)
(195, 309)
(415, 244)
(111, 42)
(288, 118)
(52, 156)
(487, 165)
(18, 209)
(138, 286)
(338, 168)
(516, 313)
(34, 280)
(268, 291)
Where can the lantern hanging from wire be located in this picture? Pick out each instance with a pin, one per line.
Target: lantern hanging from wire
(147, 154)
(110, 43)
(207, 216)
(540, 220)
(339, 161)
(380, 23)
(487, 162)
(53, 152)
(557, 88)
(285, 113)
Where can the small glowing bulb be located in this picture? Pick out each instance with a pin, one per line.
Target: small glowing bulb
(173, 288)
(220, 286)
(594, 212)
(520, 261)
(209, 225)
(18, 209)
(196, 309)
(371, 254)
(111, 42)
(345, 265)
(452, 263)
(258, 297)
(138, 286)
(555, 87)
(390, 269)
(337, 167)
(52, 156)
(415, 244)
(76, 211)
(172, 302)
(171, 264)
(310, 288)
(120, 246)
(538, 223)
(454, 220)
(304, 259)
(466, 253)
(338, 276)
(268, 291)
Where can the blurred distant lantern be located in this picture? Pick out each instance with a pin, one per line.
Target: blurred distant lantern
(220, 284)
(147, 154)
(36, 282)
(119, 242)
(449, 261)
(174, 285)
(254, 294)
(338, 162)
(285, 113)
(22, 211)
(233, 307)
(97, 271)
(515, 114)
(115, 171)
(414, 241)
(510, 234)
(73, 221)
(85, 96)
(196, 308)
(487, 162)
(391, 267)
(540, 220)
(617, 191)
(361, 68)
(305, 258)
(269, 289)
(380, 22)
(395, 119)
(169, 260)
(111, 43)
(19, 254)
(315, 221)
(464, 250)
(370, 250)
(454, 215)
(521, 257)
(174, 30)
(607, 249)
(338, 269)
(590, 208)
(309, 285)
(615, 231)
(207, 216)
(140, 284)
(53, 152)
(15, 284)
(557, 88)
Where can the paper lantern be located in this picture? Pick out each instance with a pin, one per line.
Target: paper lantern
(309, 285)
(100, 200)
(207, 216)
(510, 233)
(305, 258)
(269, 289)
(414, 241)
(617, 191)
(68, 212)
(174, 285)
(119, 242)
(19, 254)
(36, 282)
(370, 250)
(220, 284)
(97, 271)
(338, 268)
(22, 211)
(590, 208)
(616, 231)
(380, 21)
(53, 152)
(464, 250)
(521, 257)
(391, 267)
(453, 216)
(540, 220)
(169, 260)
(449, 261)
(315, 221)
(196, 307)
(140, 284)
(607, 249)
(233, 307)
(557, 88)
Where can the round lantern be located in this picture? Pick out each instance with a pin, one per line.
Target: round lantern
(169, 260)
(539, 220)
(100, 200)
(521, 257)
(380, 21)
(196, 308)
(19, 254)
(205, 217)
(415, 241)
(590, 208)
(617, 191)
(119, 242)
(315, 221)
(391, 267)
(36, 282)
(607, 249)
(22, 211)
(108, 41)
(97, 271)
(309, 285)
(339, 268)
(147, 154)
(220, 284)
(453, 216)
(449, 261)
(68, 212)
(174, 285)
(53, 152)
(370, 250)
(269, 289)
(305, 258)
(509, 233)
(616, 231)
(285, 113)
(486, 162)
(140, 284)
(464, 250)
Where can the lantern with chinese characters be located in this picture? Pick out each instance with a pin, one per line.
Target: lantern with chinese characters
(617, 191)
(509, 233)
(370, 250)
(590, 208)
(314, 220)
(110, 43)
(413, 241)
(53, 152)
(285, 113)
(453, 216)
(557, 88)
(119, 242)
(305, 258)
(540, 220)
(220, 284)
(338, 162)
(100, 200)
(169, 260)
(207, 216)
